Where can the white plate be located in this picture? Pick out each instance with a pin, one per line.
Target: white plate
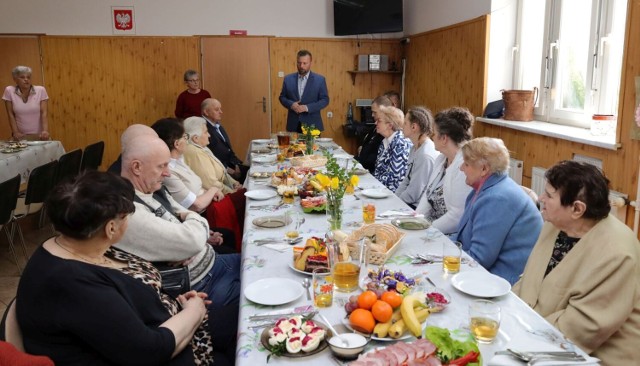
(262, 141)
(273, 291)
(480, 284)
(376, 193)
(324, 139)
(264, 158)
(35, 143)
(261, 194)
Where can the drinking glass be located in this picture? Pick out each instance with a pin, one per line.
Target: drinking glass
(292, 220)
(348, 273)
(484, 320)
(451, 256)
(368, 212)
(284, 140)
(322, 288)
(288, 196)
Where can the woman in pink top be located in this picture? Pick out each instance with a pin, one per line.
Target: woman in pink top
(188, 103)
(26, 106)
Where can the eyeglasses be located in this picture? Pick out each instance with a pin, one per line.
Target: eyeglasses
(193, 81)
(185, 136)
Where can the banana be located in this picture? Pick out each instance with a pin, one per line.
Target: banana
(382, 329)
(316, 185)
(409, 314)
(400, 327)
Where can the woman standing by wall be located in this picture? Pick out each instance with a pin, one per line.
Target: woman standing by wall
(26, 106)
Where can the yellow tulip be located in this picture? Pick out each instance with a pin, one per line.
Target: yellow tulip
(335, 183)
(315, 133)
(304, 130)
(349, 189)
(323, 180)
(354, 180)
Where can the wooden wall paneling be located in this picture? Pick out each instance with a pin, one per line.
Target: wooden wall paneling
(332, 58)
(17, 50)
(447, 67)
(101, 85)
(236, 72)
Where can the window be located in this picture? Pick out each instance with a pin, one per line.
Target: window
(571, 50)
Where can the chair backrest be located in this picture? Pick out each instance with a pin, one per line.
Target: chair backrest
(9, 191)
(41, 180)
(92, 156)
(9, 327)
(69, 165)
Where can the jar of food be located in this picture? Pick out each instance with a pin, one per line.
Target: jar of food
(603, 124)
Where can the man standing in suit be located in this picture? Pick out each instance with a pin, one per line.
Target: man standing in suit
(219, 143)
(304, 94)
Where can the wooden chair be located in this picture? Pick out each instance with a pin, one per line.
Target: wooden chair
(8, 199)
(92, 156)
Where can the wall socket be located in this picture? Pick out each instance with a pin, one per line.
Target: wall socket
(329, 114)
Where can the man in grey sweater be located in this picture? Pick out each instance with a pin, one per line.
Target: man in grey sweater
(160, 230)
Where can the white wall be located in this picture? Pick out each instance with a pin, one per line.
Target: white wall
(424, 15)
(286, 18)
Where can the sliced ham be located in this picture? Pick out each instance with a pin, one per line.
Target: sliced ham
(428, 347)
(418, 350)
(410, 351)
(387, 356)
(398, 352)
(433, 361)
(418, 362)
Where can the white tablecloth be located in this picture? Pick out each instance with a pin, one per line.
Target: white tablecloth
(521, 326)
(24, 161)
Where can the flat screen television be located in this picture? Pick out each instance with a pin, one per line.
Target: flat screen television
(351, 17)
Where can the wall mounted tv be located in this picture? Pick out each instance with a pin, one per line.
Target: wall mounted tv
(351, 17)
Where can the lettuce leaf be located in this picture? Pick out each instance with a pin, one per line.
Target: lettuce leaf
(448, 347)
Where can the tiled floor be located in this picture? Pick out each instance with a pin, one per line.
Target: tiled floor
(9, 275)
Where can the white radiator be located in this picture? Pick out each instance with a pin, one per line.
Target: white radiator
(515, 170)
(589, 160)
(538, 180)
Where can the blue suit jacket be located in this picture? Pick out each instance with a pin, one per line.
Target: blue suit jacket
(501, 227)
(315, 97)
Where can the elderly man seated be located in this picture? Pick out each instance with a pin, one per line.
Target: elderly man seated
(162, 230)
(220, 143)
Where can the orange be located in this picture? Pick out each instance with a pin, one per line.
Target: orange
(362, 320)
(392, 298)
(367, 299)
(382, 311)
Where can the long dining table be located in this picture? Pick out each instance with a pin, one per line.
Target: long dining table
(21, 162)
(520, 328)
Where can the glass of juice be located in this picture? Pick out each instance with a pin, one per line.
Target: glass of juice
(484, 320)
(288, 196)
(368, 212)
(284, 140)
(322, 288)
(451, 253)
(346, 272)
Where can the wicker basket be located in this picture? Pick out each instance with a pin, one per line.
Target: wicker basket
(519, 104)
(309, 161)
(377, 258)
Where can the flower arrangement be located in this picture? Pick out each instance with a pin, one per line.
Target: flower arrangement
(336, 182)
(309, 134)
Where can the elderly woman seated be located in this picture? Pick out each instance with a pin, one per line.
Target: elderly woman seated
(500, 223)
(582, 275)
(393, 153)
(96, 304)
(185, 186)
(209, 168)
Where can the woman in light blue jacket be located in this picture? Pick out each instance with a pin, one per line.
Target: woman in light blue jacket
(501, 223)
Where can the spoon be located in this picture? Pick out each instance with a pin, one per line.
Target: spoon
(306, 284)
(293, 241)
(345, 342)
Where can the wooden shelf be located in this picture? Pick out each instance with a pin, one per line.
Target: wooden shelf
(354, 73)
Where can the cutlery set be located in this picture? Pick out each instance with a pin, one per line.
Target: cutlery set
(268, 320)
(531, 358)
(429, 259)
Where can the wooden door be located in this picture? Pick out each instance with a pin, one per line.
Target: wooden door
(236, 72)
(18, 50)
